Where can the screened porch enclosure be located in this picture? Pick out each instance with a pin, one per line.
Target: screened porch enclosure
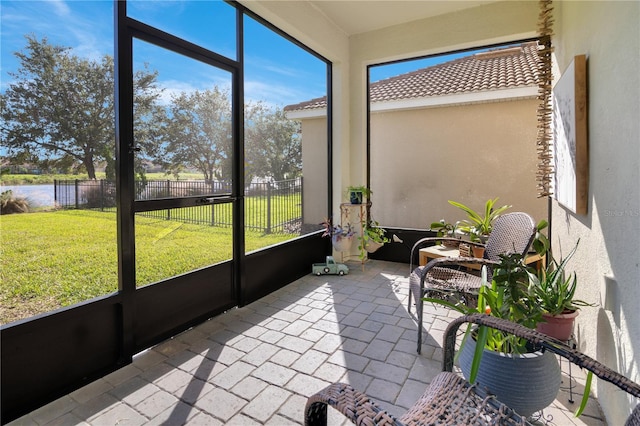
(249, 204)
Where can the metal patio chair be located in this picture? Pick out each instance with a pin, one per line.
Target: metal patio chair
(449, 399)
(512, 233)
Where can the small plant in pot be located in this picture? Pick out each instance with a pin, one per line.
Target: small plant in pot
(358, 193)
(478, 225)
(341, 236)
(373, 237)
(446, 230)
(555, 293)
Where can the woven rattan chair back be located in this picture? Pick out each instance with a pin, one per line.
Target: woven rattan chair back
(512, 233)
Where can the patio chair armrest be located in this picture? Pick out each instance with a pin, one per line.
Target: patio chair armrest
(539, 340)
(353, 404)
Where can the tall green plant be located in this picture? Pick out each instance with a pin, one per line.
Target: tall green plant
(58, 108)
(509, 296)
(478, 225)
(554, 290)
(541, 243)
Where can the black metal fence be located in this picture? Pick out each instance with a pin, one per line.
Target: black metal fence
(272, 207)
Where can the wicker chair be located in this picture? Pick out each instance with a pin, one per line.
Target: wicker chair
(512, 233)
(449, 399)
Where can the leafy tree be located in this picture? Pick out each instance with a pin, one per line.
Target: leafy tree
(273, 146)
(198, 134)
(256, 163)
(60, 107)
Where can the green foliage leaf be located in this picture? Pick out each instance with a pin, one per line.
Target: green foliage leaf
(481, 342)
(585, 395)
(479, 224)
(555, 291)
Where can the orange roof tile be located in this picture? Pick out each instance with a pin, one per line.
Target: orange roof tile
(504, 68)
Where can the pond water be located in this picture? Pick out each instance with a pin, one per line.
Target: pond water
(38, 195)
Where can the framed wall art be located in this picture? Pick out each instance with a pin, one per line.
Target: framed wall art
(570, 139)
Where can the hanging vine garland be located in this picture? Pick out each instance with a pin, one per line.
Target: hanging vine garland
(545, 109)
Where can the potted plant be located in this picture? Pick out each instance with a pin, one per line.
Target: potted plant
(373, 237)
(341, 237)
(523, 377)
(555, 293)
(358, 193)
(446, 229)
(478, 225)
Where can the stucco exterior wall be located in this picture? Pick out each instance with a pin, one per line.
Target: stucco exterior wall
(314, 166)
(487, 24)
(493, 23)
(607, 261)
(421, 158)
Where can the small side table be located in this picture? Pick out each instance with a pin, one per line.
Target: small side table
(429, 253)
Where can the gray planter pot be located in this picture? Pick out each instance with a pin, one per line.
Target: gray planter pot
(526, 382)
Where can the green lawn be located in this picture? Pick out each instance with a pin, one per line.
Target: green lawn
(60, 258)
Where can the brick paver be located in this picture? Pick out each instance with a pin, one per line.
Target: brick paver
(257, 365)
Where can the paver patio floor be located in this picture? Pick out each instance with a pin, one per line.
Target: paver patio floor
(258, 364)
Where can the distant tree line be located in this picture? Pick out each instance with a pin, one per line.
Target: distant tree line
(58, 112)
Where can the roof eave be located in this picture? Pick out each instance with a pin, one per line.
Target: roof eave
(304, 114)
(528, 92)
(500, 95)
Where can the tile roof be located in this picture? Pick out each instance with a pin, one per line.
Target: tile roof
(504, 68)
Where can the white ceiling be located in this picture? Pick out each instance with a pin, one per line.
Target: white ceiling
(359, 16)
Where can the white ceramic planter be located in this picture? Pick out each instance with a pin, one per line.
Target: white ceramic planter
(372, 246)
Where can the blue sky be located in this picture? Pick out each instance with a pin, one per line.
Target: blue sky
(276, 71)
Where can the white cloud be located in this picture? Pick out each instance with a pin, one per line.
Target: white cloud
(274, 92)
(87, 27)
(84, 26)
(173, 88)
(61, 9)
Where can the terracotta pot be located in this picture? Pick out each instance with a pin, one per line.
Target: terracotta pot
(477, 252)
(558, 326)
